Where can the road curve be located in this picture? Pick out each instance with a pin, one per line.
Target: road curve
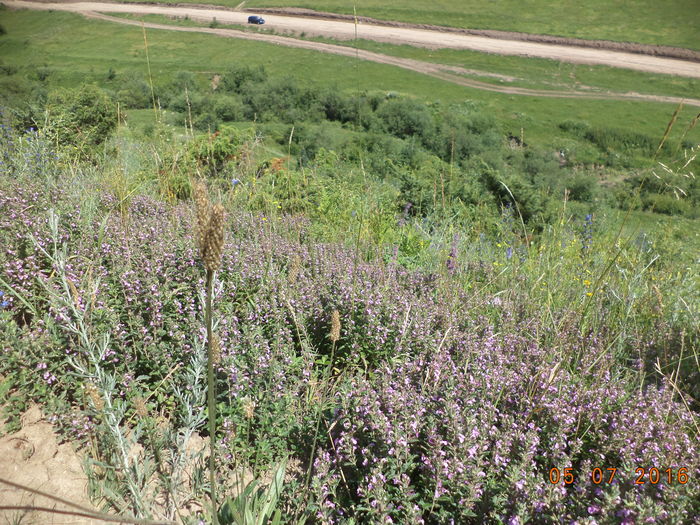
(344, 30)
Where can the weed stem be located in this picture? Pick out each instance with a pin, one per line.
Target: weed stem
(211, 395)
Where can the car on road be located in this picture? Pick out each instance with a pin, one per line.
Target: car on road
(255, 19)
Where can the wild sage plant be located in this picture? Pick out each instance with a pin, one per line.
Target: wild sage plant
(88, 365)
(128, 468)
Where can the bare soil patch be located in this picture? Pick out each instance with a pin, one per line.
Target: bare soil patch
(35, 457)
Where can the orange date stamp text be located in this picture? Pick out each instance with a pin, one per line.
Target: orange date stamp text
(606, 475)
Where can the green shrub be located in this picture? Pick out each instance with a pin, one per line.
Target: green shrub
(134, 92)
(183, 85)
(206, 122)
(406, 118)
(621, 139)
(575, 127)
(41, 74)
(239, 79)
(229, 108)
(666, 204)
(339, 107)
(582, 187)
(282, 100)
(7, 69)
(82, 117)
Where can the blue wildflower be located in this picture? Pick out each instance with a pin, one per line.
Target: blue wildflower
(587, 233)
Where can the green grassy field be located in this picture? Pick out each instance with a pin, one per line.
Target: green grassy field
(644, 21)
(531, 73)
(71, 50)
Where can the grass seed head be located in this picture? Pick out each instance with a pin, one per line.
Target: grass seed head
(248, 408)
(214, 239)
(294, 269)
(335, 326)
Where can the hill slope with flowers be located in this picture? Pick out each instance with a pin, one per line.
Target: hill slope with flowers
(397, 390)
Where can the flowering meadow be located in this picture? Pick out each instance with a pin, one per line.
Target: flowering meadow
(490, 379)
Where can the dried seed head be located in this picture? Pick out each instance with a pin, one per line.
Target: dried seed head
(294, 269)
(335, 326)
(214, 239)
(215, 349)
(202, 204)
(93, 394)
(74, 294)
(314, 390)
(231, 429)
(140, 407)
(248, 408)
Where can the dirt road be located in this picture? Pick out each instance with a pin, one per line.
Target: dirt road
(345, 30)
(448, 73)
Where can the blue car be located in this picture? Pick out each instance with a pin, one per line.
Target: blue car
(255, 19)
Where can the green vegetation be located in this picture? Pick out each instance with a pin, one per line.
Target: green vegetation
(387, 282)
(337, 317)
(68, 39)
(643, 21)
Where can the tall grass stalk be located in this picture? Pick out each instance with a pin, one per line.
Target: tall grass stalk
(210, 240)
(669, 127)
(211, 395)
(150, 76)
(334, 336)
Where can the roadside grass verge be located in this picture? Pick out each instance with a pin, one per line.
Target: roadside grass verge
(68, 49)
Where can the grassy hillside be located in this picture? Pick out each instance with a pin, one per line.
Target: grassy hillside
(354, 342)
(70, 49)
